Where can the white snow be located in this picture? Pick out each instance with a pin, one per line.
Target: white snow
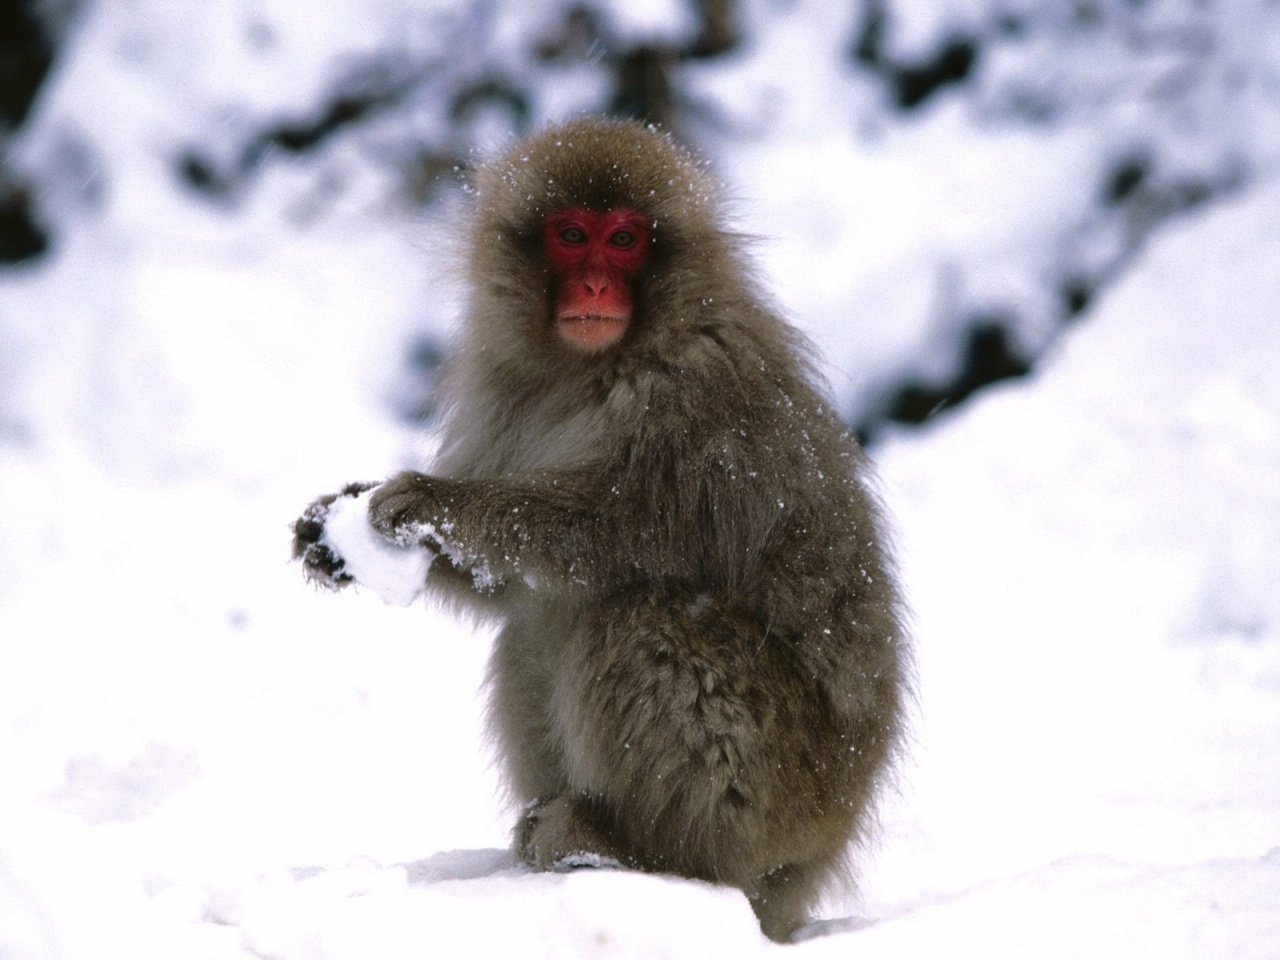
(397, 574)
(204, 757)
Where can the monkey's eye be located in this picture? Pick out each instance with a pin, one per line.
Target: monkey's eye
(573, 235)
(622, 238)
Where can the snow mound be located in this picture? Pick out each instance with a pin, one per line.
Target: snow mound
(479, 905)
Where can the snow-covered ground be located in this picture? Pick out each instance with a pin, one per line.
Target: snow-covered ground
(200, 756)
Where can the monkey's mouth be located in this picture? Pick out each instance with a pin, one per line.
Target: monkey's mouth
(592, 331)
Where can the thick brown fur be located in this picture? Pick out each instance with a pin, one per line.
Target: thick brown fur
(701, 667)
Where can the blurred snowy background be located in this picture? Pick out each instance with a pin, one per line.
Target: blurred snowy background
(1038, 246)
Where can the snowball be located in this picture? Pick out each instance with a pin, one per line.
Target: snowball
(395, 573)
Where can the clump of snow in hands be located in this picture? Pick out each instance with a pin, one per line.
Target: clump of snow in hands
(397, 573)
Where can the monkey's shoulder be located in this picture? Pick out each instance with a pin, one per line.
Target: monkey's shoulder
(713, 363)
(707, 394)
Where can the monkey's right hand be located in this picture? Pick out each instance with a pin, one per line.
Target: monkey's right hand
(320, 564)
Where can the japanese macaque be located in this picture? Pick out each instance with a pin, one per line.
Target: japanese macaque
(701, 667)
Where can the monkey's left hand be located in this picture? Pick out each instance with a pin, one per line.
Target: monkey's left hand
(320, 564)
(405, 509)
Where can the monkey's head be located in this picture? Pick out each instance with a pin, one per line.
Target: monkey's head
(594, 258)
(578, 232)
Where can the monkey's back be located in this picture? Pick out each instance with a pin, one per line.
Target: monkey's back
(777, 496)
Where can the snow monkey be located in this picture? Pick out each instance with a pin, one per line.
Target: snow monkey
(701, 663)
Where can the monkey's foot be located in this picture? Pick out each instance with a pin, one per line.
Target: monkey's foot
(561, 833)
(594, 861)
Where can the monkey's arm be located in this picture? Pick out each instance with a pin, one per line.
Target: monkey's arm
(545, 528)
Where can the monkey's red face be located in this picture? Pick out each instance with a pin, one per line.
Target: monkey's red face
(595, 258)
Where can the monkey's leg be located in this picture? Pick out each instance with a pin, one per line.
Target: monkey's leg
(556, 827)
(525, 657)
(708, 749)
